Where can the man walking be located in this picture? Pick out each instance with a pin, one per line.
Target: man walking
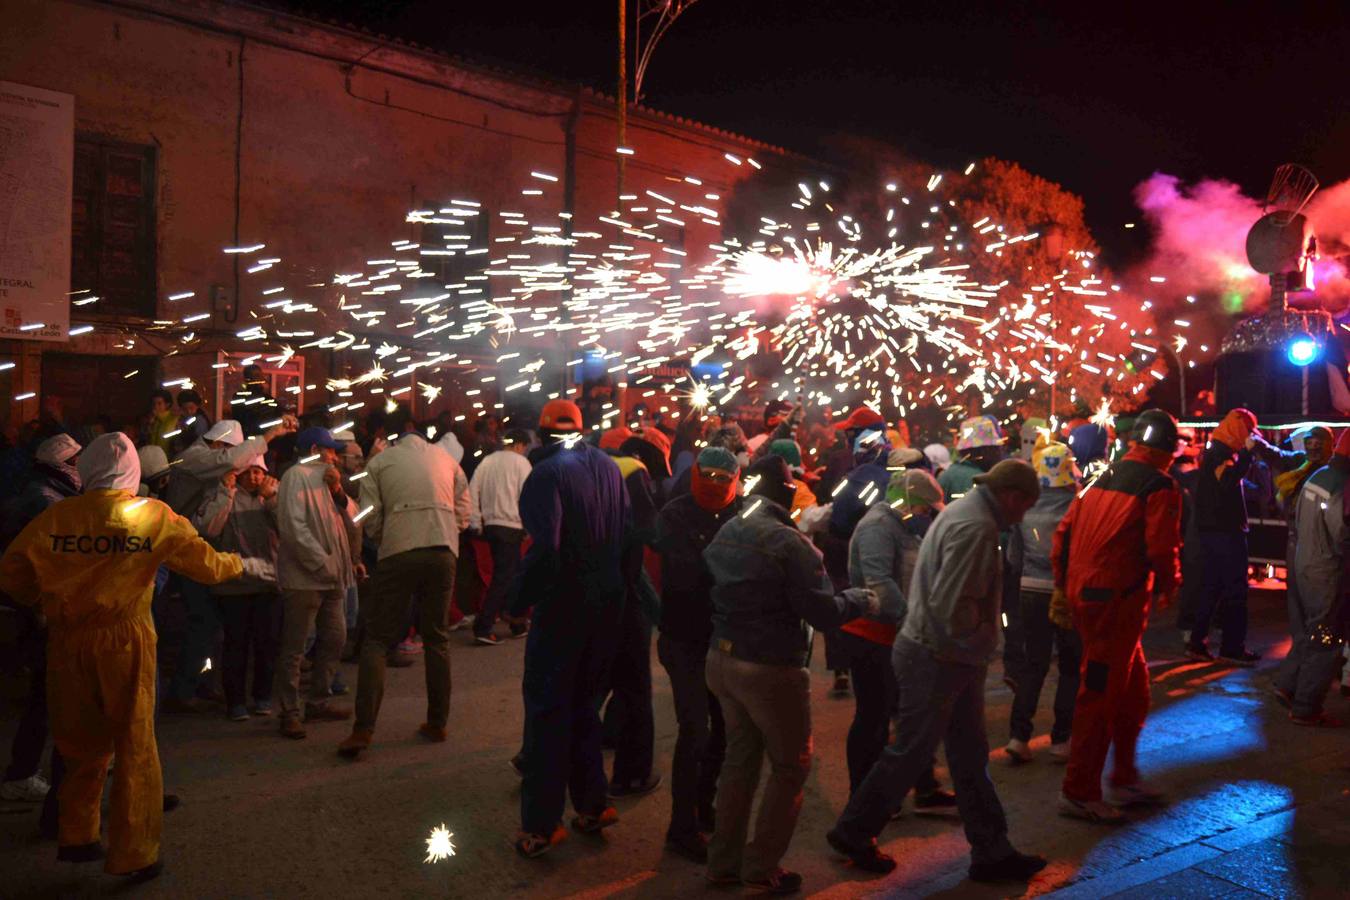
(770, 590)
(314, 567)
(494, 493)
(1116, 546)
(941, 657)
(685, 527)
(416, 502)
(575, 508)
(1316, 591)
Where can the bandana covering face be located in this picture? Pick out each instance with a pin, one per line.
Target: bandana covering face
(709, 494)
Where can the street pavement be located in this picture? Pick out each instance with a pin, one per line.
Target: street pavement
(1260, 807)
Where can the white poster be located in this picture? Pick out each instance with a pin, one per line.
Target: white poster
(37, 152)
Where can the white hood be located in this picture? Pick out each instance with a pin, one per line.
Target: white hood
(110, 463)
(450, 444)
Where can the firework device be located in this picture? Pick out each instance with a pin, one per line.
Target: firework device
(1267, 363)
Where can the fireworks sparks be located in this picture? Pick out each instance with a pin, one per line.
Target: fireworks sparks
(439, 845)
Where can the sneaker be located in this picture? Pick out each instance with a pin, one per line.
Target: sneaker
(639, 788)
(33, 789)
(531, 845)
(1141, 793)
(693, 847)
(781, 881)
(1017, 867)
(487, 640)
(463, 623)
(594, 824)
(237, 713)
(1317, 720)
(1244, 658)
(433, 733)
(1199, 652)
(868, 857)
(408, 648)
(840, 683)
(937, 802)
(1018, 752)
(324, 712)
(290, 727)
(1060, 752)
(355, 743)
(262, 707)
(1090, 811)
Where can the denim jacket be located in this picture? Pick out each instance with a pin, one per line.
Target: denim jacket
(770, 588)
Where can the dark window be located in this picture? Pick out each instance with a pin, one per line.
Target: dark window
(121, 395)
(113, 226)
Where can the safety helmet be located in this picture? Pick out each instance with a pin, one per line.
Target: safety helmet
(1157, 429)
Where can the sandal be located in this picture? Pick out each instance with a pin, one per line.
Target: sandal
(531, 845)
(587, 824)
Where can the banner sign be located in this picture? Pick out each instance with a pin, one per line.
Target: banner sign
(37, 152)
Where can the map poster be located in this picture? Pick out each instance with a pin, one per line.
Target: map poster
(37, 151)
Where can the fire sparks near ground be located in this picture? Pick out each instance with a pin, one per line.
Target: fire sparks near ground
(439, 845)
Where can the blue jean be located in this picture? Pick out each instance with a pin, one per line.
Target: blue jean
(567, 660)
(1220, 568)
(940, 702)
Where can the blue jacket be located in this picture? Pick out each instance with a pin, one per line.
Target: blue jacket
(770, 588)
(870, 480)
(575, 508)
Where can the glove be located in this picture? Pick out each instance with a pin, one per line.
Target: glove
(1060, 613)
(258, 568)
(867, 598)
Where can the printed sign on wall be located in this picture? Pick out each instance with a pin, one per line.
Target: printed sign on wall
(37, 149)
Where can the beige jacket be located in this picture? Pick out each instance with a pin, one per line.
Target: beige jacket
(417, 496)
(315, 551)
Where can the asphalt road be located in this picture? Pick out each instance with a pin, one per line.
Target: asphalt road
(1260, 807)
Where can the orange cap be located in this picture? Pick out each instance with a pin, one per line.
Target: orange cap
(560, 415)
(657, 438)
(614, 438)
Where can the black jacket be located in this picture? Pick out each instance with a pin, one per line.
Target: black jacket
(1219, 504)
(684, 530)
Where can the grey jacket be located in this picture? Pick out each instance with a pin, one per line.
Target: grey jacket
(197, 472)
(881, 555)
(770, 588)
(956, 594)
(1319, 537)
(1029, 547)
(235, 521)
(314, 554)
(417, 496)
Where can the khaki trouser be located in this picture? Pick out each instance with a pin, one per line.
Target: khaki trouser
(303, 610)
(767, 711)
(427, 573)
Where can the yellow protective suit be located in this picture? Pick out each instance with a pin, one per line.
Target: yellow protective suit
(90, 562)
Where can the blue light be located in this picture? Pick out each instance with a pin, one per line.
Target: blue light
(1302, 351)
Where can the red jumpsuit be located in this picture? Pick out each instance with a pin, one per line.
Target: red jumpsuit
(1117, 533)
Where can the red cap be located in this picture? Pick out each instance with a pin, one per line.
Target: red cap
(861, 417)
(614, 438)
(657, 438)
(1343, 443)
(560, 415)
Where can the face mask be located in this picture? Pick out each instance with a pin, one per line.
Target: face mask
(712, 495)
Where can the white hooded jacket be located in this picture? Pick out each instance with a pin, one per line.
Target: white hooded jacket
(110, 463)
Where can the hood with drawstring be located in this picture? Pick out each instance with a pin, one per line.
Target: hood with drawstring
(110, 463)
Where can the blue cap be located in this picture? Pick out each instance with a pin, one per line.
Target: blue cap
(317, 437)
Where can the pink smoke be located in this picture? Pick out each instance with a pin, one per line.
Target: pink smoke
(1199, 243)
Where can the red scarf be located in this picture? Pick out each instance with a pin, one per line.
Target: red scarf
(710, 495)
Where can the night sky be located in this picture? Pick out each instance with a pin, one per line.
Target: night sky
(1094, 98)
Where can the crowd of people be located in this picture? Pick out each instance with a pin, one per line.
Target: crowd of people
(284, 547)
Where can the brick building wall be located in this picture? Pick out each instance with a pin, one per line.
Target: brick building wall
(265, 127)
